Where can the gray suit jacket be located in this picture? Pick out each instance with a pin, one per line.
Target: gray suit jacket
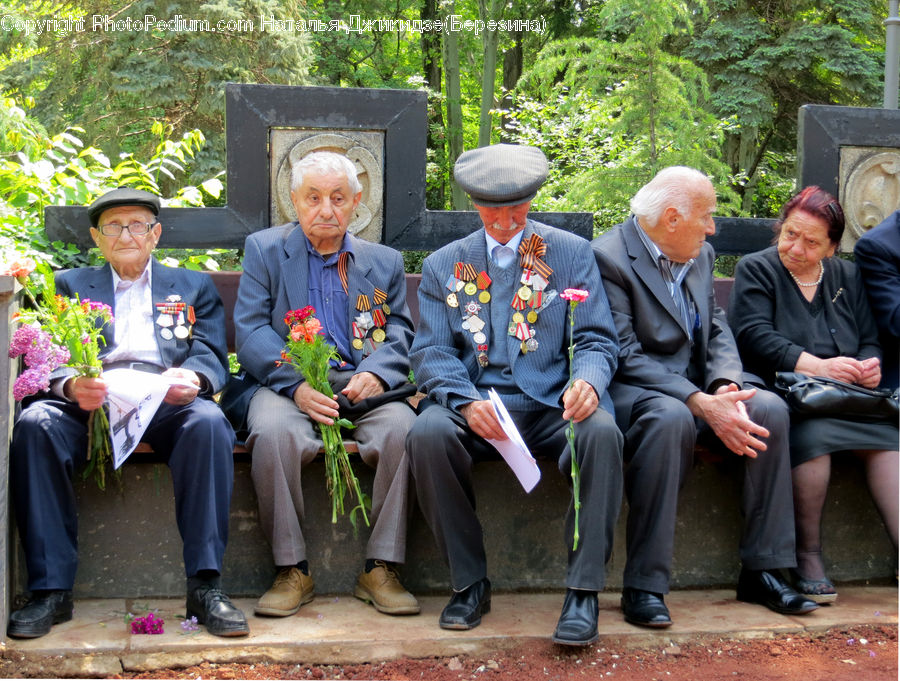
(655, 350)
(203, 353)
(444, 355)
(275, 281)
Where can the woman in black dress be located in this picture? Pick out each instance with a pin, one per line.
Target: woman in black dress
(794, 307)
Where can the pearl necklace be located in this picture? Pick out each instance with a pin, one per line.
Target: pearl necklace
(811, 283)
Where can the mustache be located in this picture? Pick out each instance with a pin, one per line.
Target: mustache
(512, 226)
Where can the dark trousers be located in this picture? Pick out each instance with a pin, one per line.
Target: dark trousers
(49, 447)
(659, 450)
(442, 451)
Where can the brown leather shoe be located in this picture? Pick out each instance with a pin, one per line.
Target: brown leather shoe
(383, 589)
(291, 589)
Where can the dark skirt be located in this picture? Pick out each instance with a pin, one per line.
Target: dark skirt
(813, 437)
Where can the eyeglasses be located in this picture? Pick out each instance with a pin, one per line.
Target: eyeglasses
(135, 228)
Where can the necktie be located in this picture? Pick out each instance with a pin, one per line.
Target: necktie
(502, 255)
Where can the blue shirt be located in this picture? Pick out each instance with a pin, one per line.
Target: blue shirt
(327, 295)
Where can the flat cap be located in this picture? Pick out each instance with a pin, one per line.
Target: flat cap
(501, 174)
(123, 196)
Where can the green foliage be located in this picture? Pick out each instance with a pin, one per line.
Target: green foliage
(765, 60)
(623, 107)
(37, 170)
(113, 82)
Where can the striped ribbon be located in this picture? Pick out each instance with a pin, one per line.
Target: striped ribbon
(531, 250)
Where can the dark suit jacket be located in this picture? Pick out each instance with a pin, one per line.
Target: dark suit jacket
(275, 281)
(655, 350)
(444, 355)
(204, 352)
(878, 257)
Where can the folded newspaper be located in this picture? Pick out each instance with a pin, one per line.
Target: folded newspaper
(133, 398)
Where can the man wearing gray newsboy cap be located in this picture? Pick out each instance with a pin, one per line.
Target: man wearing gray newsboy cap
(491, 316)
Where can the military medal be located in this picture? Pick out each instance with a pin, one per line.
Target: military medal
(368, 325)
(171, 318)
(452, 300)
(534, 279)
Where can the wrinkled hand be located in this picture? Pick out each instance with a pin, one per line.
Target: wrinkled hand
(89, 393)
(180, 394)
(727, 416)
(362, 385)
(579, 401)
(315, 405)
(871, 373)
(482, 420)
(845, 369)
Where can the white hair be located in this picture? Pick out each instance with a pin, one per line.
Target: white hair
(325, 163)
(674, 187)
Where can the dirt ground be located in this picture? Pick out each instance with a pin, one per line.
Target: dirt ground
(855, 654)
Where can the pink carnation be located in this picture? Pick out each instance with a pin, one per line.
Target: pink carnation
(576, 295)
(19, 268)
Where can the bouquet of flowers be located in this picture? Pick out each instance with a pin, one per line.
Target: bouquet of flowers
(57, 331)
(574, 296)
(310, 355)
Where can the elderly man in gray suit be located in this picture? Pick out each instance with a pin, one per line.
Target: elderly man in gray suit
(358, 289)
(679, 375)
(491, 317)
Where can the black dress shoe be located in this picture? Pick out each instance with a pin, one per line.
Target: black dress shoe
(466, 607)
(213, 608)
(645, 608)
(577, 624)
(769, 589)
(42, 611)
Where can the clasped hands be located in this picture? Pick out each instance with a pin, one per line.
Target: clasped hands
(323, 409)
(579, 402)
(725, 413)
(866, 372)
(90, 393)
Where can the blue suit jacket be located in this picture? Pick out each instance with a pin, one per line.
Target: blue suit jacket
(878, 258)
(444, 355)
(275, 281)
(203, 353)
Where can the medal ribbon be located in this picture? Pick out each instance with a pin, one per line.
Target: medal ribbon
(531, 250)
(379, 296)
(342, 270)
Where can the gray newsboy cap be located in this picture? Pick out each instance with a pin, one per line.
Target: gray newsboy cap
(501, 174)
(123, 196)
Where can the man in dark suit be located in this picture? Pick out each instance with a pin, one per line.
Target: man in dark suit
(358, 289)
(50, 436)
(491, 317)
(878, 257)
(679, 374)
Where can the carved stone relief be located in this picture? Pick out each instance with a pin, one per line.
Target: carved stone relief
(869, 189)
(365, 149)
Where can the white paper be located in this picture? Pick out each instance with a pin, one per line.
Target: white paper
(133, 398)
(514, 450)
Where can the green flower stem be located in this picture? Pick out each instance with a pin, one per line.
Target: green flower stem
(570, 430)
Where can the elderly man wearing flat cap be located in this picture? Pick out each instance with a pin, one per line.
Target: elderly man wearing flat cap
(167, 321)
(491, 316)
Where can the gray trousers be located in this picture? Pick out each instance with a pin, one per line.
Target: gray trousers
(283, 440)
(442, 451)
(659, 450)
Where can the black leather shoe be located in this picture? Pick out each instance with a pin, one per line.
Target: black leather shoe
(577, 624)
(466, 607)
(769, 589)
(213, 608)
(42, 611)
(645, 608)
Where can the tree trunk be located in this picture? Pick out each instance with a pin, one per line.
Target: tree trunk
(512, 71)
(459, 201)
(489, 42)
(431, 69)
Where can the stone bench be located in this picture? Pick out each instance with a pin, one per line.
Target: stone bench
(130, 547)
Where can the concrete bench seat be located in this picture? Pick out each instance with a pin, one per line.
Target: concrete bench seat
(129, 543)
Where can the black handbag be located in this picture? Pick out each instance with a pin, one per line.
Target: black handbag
(822, 396)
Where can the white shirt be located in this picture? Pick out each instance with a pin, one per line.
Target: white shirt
(134, 323)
